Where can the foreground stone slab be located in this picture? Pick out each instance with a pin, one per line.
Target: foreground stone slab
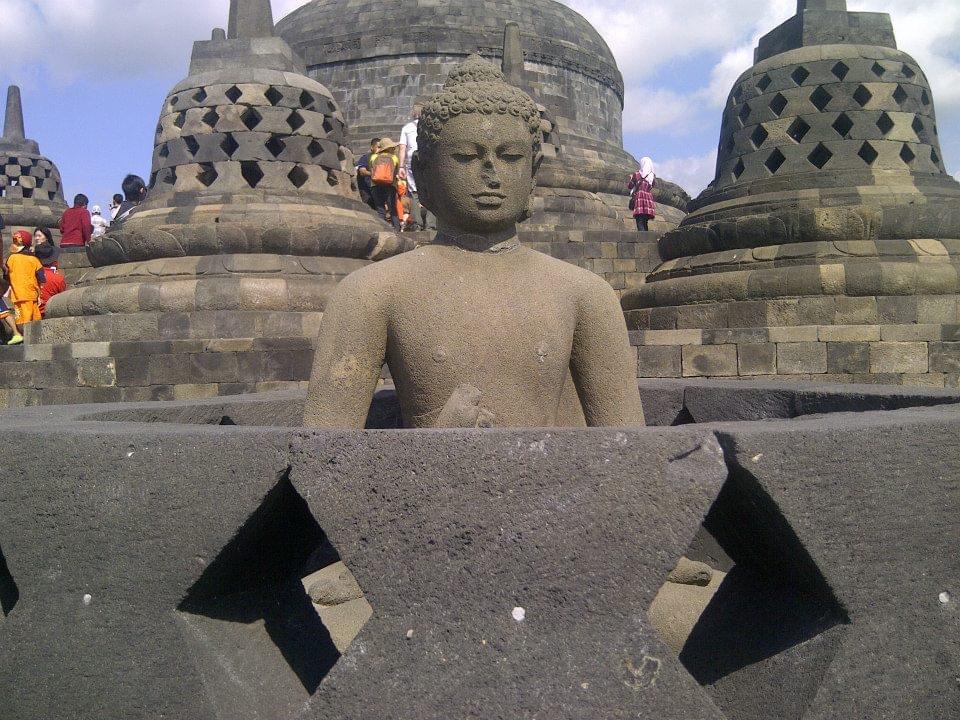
(510, 573)
(842, 601)
(153, 570)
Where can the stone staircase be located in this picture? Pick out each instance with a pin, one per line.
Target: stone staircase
(157, 356)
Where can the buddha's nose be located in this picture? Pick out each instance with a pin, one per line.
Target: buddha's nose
(489, 175)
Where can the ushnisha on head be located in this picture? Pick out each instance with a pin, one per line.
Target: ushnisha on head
(479, 149)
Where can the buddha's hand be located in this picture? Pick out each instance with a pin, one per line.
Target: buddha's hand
(463, 410)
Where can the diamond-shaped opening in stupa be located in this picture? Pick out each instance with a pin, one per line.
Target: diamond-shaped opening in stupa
(748, 612)
(800, 75)
(843, 125)
(840, 70)
(820, 98)
(759, 136)
(276, 606)
(778, 104)
(862, 95)
(820, 156)
(885, 123)
(868, 153)
(798, 130)
(274, 96)
(9, 592)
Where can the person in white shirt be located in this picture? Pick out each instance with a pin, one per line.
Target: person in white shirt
(408, 146)
(115, 206)
(100, 223)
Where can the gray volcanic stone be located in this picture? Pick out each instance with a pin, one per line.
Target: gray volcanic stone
(125, 609)
(833, 608)
(472, 550)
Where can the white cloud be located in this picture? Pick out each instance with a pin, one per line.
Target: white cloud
(692, 173)
(90, 40)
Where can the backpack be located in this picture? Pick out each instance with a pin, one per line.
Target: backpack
(383, 169)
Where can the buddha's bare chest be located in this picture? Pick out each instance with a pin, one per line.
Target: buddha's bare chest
(460, 330)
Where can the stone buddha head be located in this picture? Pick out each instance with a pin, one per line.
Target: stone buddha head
(478, 152)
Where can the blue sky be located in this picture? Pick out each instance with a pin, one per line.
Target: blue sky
(94, 73)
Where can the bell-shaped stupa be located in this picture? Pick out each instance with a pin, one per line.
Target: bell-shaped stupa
(216, 283)
(827, 243)
(31, 193)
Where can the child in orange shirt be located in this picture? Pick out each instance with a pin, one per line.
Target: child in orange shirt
(25, 274)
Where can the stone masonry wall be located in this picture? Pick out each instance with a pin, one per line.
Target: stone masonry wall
(377, 95)
(903, 340)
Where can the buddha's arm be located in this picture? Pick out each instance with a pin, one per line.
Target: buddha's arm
(603, 366)
(351, 348)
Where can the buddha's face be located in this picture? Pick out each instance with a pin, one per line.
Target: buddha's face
(479, 177)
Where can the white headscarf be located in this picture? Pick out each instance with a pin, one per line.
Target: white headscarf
(646, 170)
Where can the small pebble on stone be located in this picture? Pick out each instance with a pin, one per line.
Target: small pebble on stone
(519, 614)
(87, 599)
(409, 633)
(944, 598)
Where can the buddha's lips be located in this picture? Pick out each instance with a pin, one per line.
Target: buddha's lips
(489, 197)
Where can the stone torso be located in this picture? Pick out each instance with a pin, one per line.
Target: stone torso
(493, 321)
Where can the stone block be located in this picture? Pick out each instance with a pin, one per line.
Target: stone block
(856, 310)
(795, 334)
(899, 357)
(799, 358)
(849, 333)
(897, 309)
(709, 360)
(848, 357)
(393, 661)
(711, 315)
(834, 572)
(911, 333)
(817, 310)
(757, 359)
(945, 357)
(658, 361)
(747, 313)
(937, 309)
(663, 318)
(673, 337)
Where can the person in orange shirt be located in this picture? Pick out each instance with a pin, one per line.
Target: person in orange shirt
(25, 274)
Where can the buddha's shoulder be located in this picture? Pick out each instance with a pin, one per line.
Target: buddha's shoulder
(560, 270)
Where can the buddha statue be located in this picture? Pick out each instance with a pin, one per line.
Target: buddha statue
(478, 331)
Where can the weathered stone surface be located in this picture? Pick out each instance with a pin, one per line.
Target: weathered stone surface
(204, 614)
(420, 574)
(834, 572)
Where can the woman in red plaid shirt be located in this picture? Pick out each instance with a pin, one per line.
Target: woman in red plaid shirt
(641, 194)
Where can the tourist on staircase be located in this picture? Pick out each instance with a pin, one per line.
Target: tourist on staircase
(76, 226)
(100, 223)
(640, 187)
(135, 192)
(363, 174)
(54, 281)
(25, 275)
(383, 181)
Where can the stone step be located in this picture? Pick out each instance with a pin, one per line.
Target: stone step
(25, 397)
(155, 326)
(121, 371)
